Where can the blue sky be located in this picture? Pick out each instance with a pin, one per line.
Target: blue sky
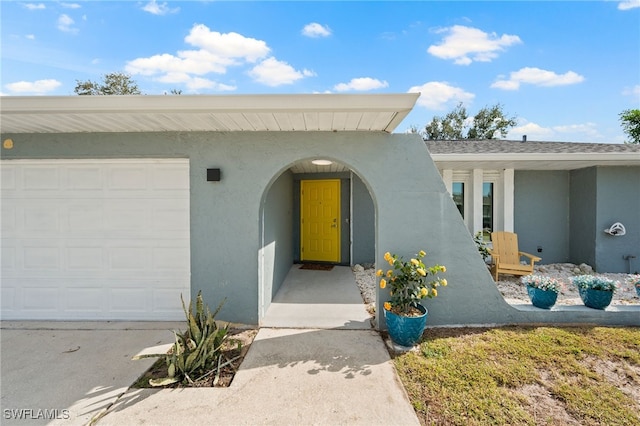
(565, 70)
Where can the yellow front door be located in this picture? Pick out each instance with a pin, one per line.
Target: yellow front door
(320, 220)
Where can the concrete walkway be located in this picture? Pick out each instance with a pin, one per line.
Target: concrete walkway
(289, 377)
(317, 363)
(318, 299)
(67, 372)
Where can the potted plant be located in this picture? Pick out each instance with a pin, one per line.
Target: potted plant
(595, 291)
(634, 280)
(409, 282)
(481, 245)
(542, 291)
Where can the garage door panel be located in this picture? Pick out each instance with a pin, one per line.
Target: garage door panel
(40, 178)
(84, 299)
(95, 239)
(84, 178)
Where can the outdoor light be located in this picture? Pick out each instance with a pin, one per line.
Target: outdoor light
(213, 175)
(322, 162)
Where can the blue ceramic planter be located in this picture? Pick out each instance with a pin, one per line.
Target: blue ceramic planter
(544, 299)
(406, 331)
(596, 299)
(638, 290)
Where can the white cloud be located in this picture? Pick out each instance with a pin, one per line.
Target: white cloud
(65, 23)
(71, 5)
(228, 45)
(215, 52)
(628, 4)
(439, 95)
(537, 77)
(316, 30)
(533, 131)
(30, 36)
(362, 84)
(194, 84)
(632, 91)
(585, 132)
(466, 44)
(198, 62)
(159, 8)
(34, 87)
(273, 72)
(34, 6)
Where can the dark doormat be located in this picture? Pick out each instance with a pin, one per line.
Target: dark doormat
(317, 266)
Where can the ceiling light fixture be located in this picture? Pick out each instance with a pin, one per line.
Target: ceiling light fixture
(322, 162)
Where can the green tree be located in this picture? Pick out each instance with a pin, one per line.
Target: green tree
(630, 120)
(115, 83)
(488, 123)
(451, 126)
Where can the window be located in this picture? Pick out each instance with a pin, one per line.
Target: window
(487, 208)
(458, 196)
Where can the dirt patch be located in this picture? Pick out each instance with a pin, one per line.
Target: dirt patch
(223, 379)
(543, 408)
(621, 374)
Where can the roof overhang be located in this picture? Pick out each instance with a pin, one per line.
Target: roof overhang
(535, 161)
(208, 113)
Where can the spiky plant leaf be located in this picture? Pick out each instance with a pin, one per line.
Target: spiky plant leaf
(162, 381)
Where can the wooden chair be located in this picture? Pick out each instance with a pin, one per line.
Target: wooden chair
(506, 257)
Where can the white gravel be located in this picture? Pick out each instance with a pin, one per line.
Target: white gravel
(514, 292)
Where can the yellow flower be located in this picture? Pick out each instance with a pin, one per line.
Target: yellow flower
(424, 292)
(443, 282)
(383, 283)
(387, 306)
(389, 273)
(443, 269)
(415, 262)
(387, 257)
(379, 272)
(434, 292)
(422, 253)
(421, 272)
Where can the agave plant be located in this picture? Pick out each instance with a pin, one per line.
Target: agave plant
(197, 352)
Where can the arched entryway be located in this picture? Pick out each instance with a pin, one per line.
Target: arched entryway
(314, 297)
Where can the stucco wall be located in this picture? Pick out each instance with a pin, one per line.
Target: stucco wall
(582, 217)
(278, 213)
(541, 213)
(618, 200)
(413, 212)
(363, 225)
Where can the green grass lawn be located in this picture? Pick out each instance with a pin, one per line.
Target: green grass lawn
(525, 376)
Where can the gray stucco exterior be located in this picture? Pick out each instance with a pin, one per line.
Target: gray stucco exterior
(241, 227)
(566, 212)
(618, 200)
(541, 213)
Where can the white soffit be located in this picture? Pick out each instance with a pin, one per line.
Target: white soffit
(224, 113)
(535, 161)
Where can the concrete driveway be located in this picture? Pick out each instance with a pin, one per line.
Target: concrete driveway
(68, 372)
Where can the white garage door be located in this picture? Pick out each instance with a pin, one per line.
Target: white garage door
(95, 239)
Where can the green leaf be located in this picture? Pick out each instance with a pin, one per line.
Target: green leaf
(162, 381)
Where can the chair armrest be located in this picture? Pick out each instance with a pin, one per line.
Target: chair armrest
(530, 256)
(494, 257)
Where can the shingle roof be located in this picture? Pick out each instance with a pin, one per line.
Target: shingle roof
(521, 147)
(519, 155)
